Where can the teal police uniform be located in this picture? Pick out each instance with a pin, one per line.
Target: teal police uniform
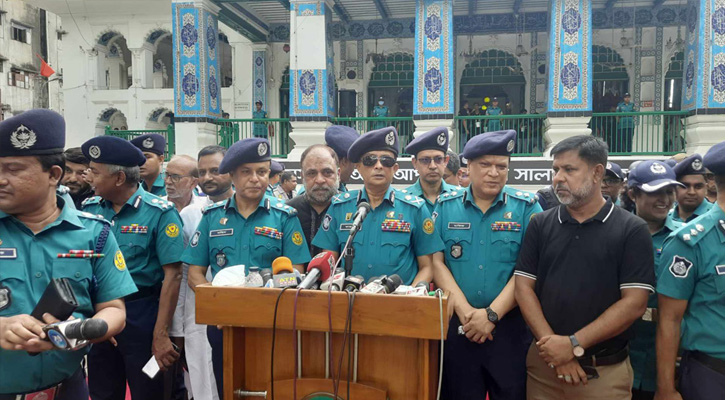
(702, 209)
(622, 141)
(224, 237)
(156, 144)
(64, 192)
(260, 128)
(159, 186)
(417, 191)
(493, 124)
(692, 165)
(380, 111)
(392, 235)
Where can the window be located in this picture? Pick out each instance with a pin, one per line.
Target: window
(20, 33)
(19, 79)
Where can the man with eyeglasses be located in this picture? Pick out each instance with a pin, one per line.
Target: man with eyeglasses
(613, 182)
(320, 178)
(430, 160)
(181, 178)
(398, 235)
(711, 195)
(691, 196)
(152, 145)
(482, 228)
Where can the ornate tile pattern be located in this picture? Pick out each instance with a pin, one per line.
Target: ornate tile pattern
(570, 56)
(434, 84)
(704, 83)
(659, 43)
(638, 79)
(259, 78)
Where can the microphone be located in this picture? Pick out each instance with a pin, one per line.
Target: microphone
(318, 269)
(336, 281)
(283, 273)
(266, 275)
(362, 211)
(74, 334)
(353, 283)
(385, 284)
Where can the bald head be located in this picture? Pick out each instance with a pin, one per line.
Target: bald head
(181, 177)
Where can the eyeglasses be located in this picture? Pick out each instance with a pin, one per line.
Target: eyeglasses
(611, 181)
(371, 160)
(426, 160)
(709, 177)
(175, 178)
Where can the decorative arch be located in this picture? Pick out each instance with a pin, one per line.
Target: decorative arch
(112, 117)
(493, 67)
(160, 118)
(156, 35)
(676, 66)
(608, 65)
(107, 37)
(394, 70)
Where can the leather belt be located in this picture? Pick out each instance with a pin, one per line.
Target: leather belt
(46, 394)
(144, 292)
(601, 361)
(711, 362)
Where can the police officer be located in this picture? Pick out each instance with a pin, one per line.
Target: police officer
(38, 233)
(625, 127)
(493, 124)
(613, 182)
(482, 228)
(651, 186)
(153, 146)
(148, 230)
(430, 160)
(691, 301)
(398, 235)
(250, 228)
(380, 111)
(259, 128)
(275, 171)
(691, 196)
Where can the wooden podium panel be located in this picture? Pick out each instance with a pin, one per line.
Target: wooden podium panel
(397, 342)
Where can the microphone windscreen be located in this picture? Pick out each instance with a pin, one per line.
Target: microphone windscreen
(324, 262)
(88, 329)
(281, 265)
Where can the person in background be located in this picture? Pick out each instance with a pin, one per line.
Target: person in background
(691, 201)
(450, 175)
(613, 182)
(259, 129)
(493, 124)
(148, 230)
(320, 174)
(464, 125)
(711, 195)
(35, 226)
(340, 138)
(463, 179)
(622, 143)
(547, 198)
(691, 301)
(651, 185)
(429, 159)
(380, 111)
(286, 189)
(275, 170)
(76, 165)
(215, 186)
(181, 178)
(152, 178)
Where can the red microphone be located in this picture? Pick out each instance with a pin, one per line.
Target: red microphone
(318, 269)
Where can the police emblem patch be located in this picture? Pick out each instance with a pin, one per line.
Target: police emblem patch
(507, 215)
(4, 297)
(172, 230)
(297, 238)
(680, 267)
(390, 214)
(441, 139)
(696, 165)
(195, 239)
(326, 223)
(119, 261)
(262, 149)
(657, 168)
(94, 151)
(456, 251)
(609, 165)
(510, 146)
(428, 226)
(348, 216)
(148, 143)
(22, 138)
(390, 139)
(221, 259)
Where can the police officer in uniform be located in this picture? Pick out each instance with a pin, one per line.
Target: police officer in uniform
(148, 230)
(250, 228)
(275, 171)
(493, 124)
(259, 128)
(430, 160)
(691, 201)
(398, 235)
(691, 301)
(38, 233)
(652, 188)
(380, 111)
(625, 127)
(482, 227)
(153, 146)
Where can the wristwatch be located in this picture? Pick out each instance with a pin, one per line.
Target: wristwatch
(578, 349)
(492, 316)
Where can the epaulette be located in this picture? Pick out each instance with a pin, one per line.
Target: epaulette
(279, 205)
(96, 217)
(91, 200)
(408, 198)
(158, 202)
(345, 197)
(693, 231)
(61, 190)
(213, 206)
(530, 198)
(456, 194)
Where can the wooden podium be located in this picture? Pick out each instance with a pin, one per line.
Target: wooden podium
(394, 343)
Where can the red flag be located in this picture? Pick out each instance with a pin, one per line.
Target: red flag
(45, 69)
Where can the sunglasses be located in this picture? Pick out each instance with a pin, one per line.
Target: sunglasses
(370, 161)
(437, 159)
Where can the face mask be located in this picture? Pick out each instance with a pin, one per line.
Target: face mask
(381, 103)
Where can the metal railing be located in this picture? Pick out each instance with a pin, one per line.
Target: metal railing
(641, 133)
(167, 133)
(404, 126)
(529, 130)
(276, 130)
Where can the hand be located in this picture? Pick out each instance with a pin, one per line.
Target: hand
(23, 332)
(478, 328)
(555, 349)
(573, 370)
(164, 351)
(462, 309)
(668, 395)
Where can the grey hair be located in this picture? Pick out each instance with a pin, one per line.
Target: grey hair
(454, 163)
(133, 174)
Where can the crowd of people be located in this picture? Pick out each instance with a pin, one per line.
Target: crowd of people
(606, 285)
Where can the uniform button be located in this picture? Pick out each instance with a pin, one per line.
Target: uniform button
(479, 293)
(480, 267)
(505, 240)
(370, 266)
(245, 246)
(78, 274)
(576, 237)
(38, 274)
(481, 242)
(372, 243)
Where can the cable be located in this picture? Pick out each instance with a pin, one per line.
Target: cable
(349, 345)
(439, 294)
(274, 335)
(294, 334)
(342, 351)
(76, 23)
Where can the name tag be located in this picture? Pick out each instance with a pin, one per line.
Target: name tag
(720, 269)
(459, 225)
(345, 227)
(8, 253)
(221, 232)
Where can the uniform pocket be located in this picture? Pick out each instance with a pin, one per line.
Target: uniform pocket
(14, 289)
(266, 249)
(505, 246)
(458, 244)
(79, 273)
(720, 279)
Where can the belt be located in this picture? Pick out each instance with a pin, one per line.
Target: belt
(48, 393)
(711, 362)
(601, 361)
(144, 292)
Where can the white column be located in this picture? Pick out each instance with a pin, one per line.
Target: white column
(703, 131)
(557, 129)
(143, 66)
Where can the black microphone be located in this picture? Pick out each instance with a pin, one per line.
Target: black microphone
(384, 284)
(266, 275)
(74, 334)
(362, 211)
(353, 283)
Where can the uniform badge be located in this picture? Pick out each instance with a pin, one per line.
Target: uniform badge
(148, 143)
(221, 259)
(119, 261)
(680, 267)
(94, 151)
(390, 214)
(8, 253)
(428, 226)
(510, 146)
(441, 139)
(456, 251)
(507, 215)
(195, 239)
(720, 269)
(390, 139)
(657, 168)
(696, 165)
(22, 138)
(221, 232)
(297, 238)
(348, 216)
(326, 222)
(262, 149)
(223, 221)
(434, 215)
(4, 297)
(172, 230)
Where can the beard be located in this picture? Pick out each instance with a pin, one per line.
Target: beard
(213, 189)
(321, 194)
(575, 198)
